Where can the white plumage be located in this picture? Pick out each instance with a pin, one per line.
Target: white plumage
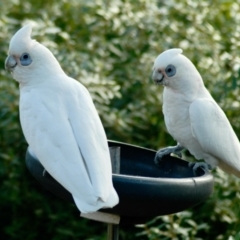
(61, 124)
(192, 116)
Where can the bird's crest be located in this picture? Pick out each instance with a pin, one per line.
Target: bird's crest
(164, 58)
(172, 52)
(175, 51)
(21, 38)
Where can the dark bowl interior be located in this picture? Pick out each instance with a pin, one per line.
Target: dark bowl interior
(145, 190)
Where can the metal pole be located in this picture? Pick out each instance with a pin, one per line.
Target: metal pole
(113, 232)
(113, 229)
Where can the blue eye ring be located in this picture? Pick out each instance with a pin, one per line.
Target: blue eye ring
(170, 70)
(25, 59)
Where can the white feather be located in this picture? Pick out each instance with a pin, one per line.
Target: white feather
(63, 129)
(192, 116)
(215, 135)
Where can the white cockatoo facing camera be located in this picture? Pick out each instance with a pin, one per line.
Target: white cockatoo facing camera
(61, 124)
(192, 116)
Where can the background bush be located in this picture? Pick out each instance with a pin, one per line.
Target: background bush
(110, 46)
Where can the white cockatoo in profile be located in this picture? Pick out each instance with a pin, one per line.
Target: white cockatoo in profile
(61, 124)
(192, 116)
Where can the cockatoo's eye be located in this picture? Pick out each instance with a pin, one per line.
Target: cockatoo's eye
(25, 59)
(170, 70)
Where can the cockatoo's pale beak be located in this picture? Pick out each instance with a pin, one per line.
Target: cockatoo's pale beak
(10, 63)
(157, 76)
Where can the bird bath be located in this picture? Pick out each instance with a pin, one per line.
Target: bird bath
(145, 190)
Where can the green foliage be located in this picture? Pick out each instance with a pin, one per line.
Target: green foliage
(110, 47)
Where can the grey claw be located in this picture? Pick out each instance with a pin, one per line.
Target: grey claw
(156, 160)
(196, 165)
(167, 151)
(158, 157)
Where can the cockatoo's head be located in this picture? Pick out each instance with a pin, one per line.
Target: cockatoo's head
(174, 70)
(27, 58)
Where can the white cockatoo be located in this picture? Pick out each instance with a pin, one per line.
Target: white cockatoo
(192, 116)
(61, 124)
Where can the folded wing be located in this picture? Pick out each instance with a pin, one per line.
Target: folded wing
(214, 133)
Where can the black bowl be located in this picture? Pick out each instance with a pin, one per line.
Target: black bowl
(145, 190)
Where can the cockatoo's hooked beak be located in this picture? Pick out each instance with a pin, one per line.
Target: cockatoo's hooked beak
(158, 77)
(10, 63)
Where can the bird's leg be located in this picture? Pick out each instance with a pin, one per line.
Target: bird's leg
(196, 165)
(167, 151)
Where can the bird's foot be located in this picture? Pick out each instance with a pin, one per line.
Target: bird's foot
(196, 165)
(167, 151)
